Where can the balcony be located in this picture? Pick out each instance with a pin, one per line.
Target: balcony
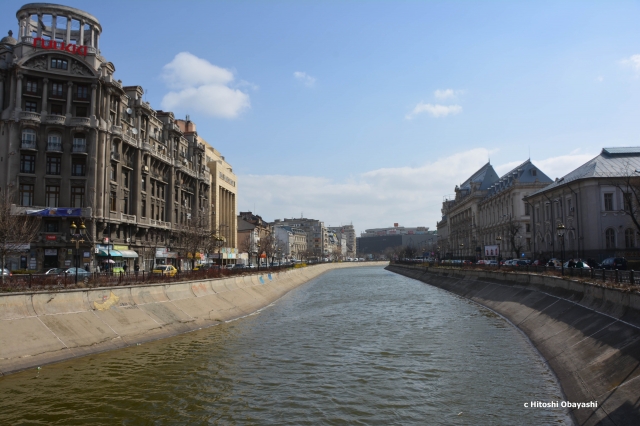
(159, 223)
(54, 146)
(55, 119)
(200, 146)
(28, 144)
(31, 116)
(116, 130)
(115, 156)
(79, 148)
(81, 121)
(129, 139)
(129, 218)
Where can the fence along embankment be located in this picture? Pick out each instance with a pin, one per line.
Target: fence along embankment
(589, 335)
(40, 328)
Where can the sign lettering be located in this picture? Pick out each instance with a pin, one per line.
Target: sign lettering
(60, 45)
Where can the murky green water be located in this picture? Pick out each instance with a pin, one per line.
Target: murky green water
(354, 346)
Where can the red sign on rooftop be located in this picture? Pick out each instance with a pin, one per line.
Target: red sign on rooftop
(60, 45)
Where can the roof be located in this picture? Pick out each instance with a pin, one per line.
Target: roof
(526, 172)
(486, 176)
(611, 162)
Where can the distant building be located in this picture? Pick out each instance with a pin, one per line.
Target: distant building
(346, 233)
(317, 238)
(376, 241)
(292, 240)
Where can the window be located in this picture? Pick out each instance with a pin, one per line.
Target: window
(78, 167)
(57, 109)
(112, 202)
(26, 195)
(77, 196)
(29, 135)
(534, 172)
(528, 227)
(82, 92)
(57, 90)
(547, 212)
(610, 238)
(162, 214)
(31, 106)
(526, 209)
(153, 188)
(79, 144)
(50, 226)
(52, 196)
(626, 197)
(53, 165)
(175, 215)
(629, 238)
(112, 172)
(608, 201)
(32, 86)
(60, 64)
(27, 163)
(144, 183)
(125, 179)
(82, 111)
(125, 206)
(143, 208)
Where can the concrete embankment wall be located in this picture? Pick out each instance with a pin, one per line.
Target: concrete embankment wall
(40, 328)
(589, 335)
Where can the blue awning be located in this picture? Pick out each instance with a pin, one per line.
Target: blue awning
(112, 253)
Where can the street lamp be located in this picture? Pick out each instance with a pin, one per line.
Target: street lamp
(219, 242)
(498, 241)
(77, 235)
(461, 250)
(561, 229)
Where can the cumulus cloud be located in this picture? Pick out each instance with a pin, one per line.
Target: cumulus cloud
(304, 78)
(447, 93)
(436, 110)
(411, 196)
(198, 85)
(634, 62)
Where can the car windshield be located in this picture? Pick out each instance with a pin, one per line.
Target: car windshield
(161, 268)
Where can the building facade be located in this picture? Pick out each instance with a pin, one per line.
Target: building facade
(77, 145)
(317, 237)
(596, 204)
(346, 233)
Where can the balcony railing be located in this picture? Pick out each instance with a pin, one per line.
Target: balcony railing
(28, 144)
(127, 218)
(55, 119)
(27, 115)
(81, 121)
(54, 146)
(79, 148)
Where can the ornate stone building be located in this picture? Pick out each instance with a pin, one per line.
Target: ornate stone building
(78, 145)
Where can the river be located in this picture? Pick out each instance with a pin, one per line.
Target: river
(353, 346)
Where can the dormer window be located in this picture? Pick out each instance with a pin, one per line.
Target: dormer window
(60, 64)
(534, 172)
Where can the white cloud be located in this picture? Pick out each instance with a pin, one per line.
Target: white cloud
(305, 78)
(411, 196)
(198, 85)
(633, 61)
(436, 110)
(447, 93)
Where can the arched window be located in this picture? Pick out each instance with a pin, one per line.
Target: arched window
(28, 139)
(629, 238)
(54, 142)
(79, 143)
(610, 238)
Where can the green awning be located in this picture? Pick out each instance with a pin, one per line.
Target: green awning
(112, 253)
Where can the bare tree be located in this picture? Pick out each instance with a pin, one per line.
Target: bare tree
(513, 233)
(16, 228)
(269, 245)
(629, 185)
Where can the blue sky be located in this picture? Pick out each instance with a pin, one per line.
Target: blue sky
(370, 112)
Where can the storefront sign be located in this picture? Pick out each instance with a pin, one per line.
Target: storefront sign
(60, 45)
(492, 251)
(51, 237)
(50, 252)
(115, 247)
(87, 254)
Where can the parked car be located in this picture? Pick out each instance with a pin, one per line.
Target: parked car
(169, 270)
(614, 263)
(239, 266)
(584, 265)
(228, 266)
(522, 263)
(55, 271)
(81, 272)
(6, 272)
(251, 266)
(491, 262)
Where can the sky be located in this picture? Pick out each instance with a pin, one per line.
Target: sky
(370, 112)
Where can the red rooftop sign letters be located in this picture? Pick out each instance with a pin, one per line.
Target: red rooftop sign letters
(55, 45)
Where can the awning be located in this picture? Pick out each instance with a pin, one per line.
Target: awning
(129, 253)
(112, 253)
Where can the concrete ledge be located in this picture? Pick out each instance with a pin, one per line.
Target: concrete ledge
(41, 328)
(589, 335)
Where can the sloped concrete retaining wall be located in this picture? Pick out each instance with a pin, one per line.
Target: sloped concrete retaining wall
(589, 335)
(40, 328)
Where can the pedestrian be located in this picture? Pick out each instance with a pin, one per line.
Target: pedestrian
(136, 267)
(124, 268)
(571, 264)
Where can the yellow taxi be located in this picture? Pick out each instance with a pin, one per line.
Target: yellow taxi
(168, 270)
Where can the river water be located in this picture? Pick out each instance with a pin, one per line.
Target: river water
(354, 346)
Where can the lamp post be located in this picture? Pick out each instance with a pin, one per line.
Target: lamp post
(498, 241)
(77, 235)
(219, 241)
(561, 229)
(461, 250)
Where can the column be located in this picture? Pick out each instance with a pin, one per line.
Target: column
(92, 114)
(19, 93)
(23, 28)
(1, 92)
(54, 24)
(45, 95)
(69, 96)
(81, 41)
(68, 36)
(39, 26)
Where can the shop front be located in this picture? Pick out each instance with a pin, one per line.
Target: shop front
(129, 257)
